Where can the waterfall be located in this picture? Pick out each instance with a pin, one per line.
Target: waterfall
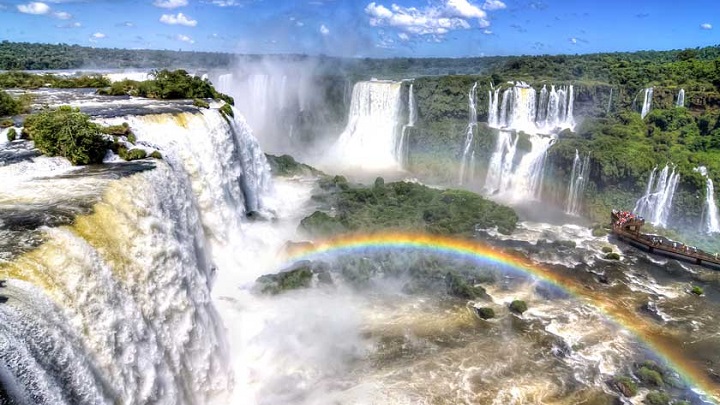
(523, 109)
(402, 152)
(578, 181)
(647, 102)
(655, 205)
(493, 112)
(681, 98)
(500, 168)
(610, 100)
(467, 162)
(711, 217)
(374, 122)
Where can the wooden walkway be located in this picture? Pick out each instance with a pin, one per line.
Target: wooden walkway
(628, 229)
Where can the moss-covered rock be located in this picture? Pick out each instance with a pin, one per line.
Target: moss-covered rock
(330, 183)
(650, 376)
(117, 130)
(625, 385)
(156, 155)
(518, 307)
(198, 102)
(457, 286)
(485, 313)
(320, 224)
(697, 290)
(11, 134)
(287, 166)
(299, 276)
(657, 398)
(612, 256)
(607, 249)
(227, 111)
(6, 123)
(599, 232)
(131, 154)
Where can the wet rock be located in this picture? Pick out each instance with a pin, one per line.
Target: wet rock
(603, 279)
(625, 385)
(256, 216)
(485, 313)
(299, 276)
(612, 256)
(3, 283)
(459, 287)
(650, 308)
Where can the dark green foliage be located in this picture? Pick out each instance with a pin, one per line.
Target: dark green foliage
(322, 224)
(287, 280)
(227, 111)
(612, 256)
(657, 398)
(697, 290)
(625, 385)
(286, 165)
(13, 106)
(414, 207)
(201, 103)
(156, 155)
(485, 313)
(333, 183)
(518, 307)
(379, 183)
(457, 286)
(11, 134)
(607, 249)
(67, 132)
(24, 80)
(649, 376)
(131, 154)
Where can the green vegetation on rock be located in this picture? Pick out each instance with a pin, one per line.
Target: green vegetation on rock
(649, 376)
(408, 207)
(156, 155)
(10, 105)
(227, 111)
(300, 276)
(287, 166)
(11, 134)
(657, 398)
(518, 306)
(201, 103)
(612, 256)
(697, 290)
(607, 249)
(459, 287)
(67, 132)
(625, 385)
(485, 313)
(131, 154)
(24, 80)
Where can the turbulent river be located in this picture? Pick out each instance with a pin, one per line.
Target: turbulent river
(133, 283)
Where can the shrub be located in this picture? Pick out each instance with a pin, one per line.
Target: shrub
(657, 398)
(11, 134)
(67, 132)
(518, 307)
(201, 103)
(131, 154)
(227, 111)
(650, 376)
(485, 312)
(625, 385)
(697, 290)
(607, 249)
(612, 256)
(156, 155)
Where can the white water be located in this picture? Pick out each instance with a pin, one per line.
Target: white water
(499, 174)
(403, 145)
(578, 181)
(655, 205)
(647, 102)
(522, 109)
(681, 98)
(370, 139)
(711, 217)
(467, 162)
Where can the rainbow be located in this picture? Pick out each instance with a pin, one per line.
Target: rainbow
(664, 345)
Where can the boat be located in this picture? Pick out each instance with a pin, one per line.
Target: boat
(626, 226)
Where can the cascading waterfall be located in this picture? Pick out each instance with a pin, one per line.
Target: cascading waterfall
(680, 98)
(403, 144)
(468, 157)
(647, 102)
(655, 205)
(711, 217)
(578, 181)
(523, 109)
(370, 139)
(609, 101)
(116, 307)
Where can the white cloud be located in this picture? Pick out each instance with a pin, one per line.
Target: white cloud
(34, 7)
(185, 38)
(706, 26)
(403, 36)
(170, 4)
(62, 15)
(573, 41)
(70, 25)
(433, 21)
(98, 35)
(324, 30)
(491, 5)
(179, 19)
(487, 32)
(226, 3)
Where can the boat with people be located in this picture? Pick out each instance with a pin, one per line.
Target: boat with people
(626, 226)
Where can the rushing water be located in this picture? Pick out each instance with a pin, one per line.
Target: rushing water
(680, 98)
(656, 204)
(711, 217)
(647, 102)
(578, 181)
(467, 167)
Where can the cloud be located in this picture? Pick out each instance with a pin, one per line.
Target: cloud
(573, 40)
(492, 5)
(62, 15)
(226, 3)
(185, 38)
(170, 4)
(179, 19)
(70, 25)
(403, 36)
(433, 21)
(324, 30)
(34, 7)
(487, 32)
(706, 26)
(98, 35)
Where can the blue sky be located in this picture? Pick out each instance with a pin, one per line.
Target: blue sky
(379, 28)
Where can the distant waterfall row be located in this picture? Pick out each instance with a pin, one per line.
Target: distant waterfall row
(711, 217)
(522, 109)
(656, 203)
(403, 146)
